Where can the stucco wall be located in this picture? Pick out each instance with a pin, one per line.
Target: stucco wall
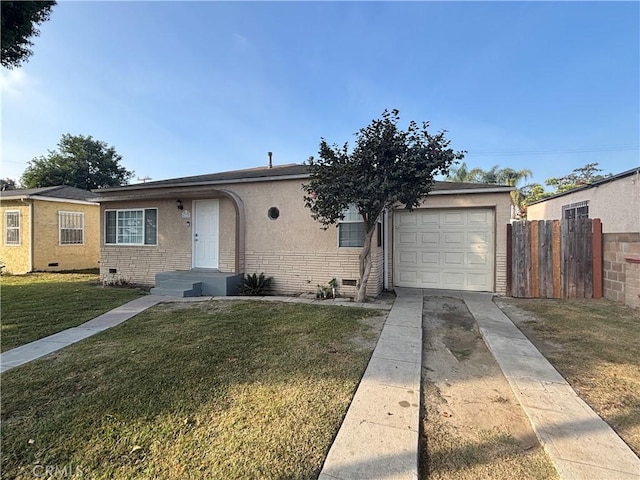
(46, 242)
(16, 258)
(500, 203)
(616, 203)
(294, 249)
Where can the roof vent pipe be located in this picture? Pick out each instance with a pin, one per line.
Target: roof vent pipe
(270, 162)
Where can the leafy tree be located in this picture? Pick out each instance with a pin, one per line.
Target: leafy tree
(7, 184)
(387, 167)
(81, 162)
(577, 178)
(534, 192)
(19, 23)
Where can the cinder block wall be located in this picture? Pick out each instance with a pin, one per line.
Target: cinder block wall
(621, 278)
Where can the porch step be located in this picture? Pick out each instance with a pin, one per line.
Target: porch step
(195, 283)
(177, 288)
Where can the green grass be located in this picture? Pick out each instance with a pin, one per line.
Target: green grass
(41, 304)
(216, 390)
(594, 345)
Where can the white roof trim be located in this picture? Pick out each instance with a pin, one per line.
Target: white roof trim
(47, 199)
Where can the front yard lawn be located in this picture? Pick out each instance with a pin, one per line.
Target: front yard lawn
(37, 305)
(594, 345)
(208, 390)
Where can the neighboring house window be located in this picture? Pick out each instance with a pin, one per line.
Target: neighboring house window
(12, 227)
(351, 229)
(71, 226)
(131, 227)
(576, 210)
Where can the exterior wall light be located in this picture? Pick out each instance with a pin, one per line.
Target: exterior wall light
(179, 204)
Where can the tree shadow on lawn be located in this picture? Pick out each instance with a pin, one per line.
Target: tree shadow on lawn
(210, 391)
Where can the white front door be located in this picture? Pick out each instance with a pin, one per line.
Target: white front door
(205, 233)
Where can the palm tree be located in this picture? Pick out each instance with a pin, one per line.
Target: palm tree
(511, 177)
(498, 176)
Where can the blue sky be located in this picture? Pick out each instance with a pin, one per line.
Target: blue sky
(187, 88)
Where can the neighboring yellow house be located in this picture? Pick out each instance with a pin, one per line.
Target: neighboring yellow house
(49, 229)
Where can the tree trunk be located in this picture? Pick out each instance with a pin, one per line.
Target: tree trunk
(365, 263)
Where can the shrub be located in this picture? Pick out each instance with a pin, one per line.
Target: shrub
(255, 284)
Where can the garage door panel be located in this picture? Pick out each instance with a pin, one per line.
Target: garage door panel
(430, 238)
(429, 278)
(476, 281)
(427, 218)
(453, 280)
(478, 237)
(406, 220)
(479, 217)
(445, 248)
(453, 218)
(453, 238)
(408, 238)
(477, 259)
(429, 258)
(408, 258)
(408, 277)
(454, 258)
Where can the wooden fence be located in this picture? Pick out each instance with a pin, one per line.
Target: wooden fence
(555, 258)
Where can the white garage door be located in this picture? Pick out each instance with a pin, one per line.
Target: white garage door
(444, 248)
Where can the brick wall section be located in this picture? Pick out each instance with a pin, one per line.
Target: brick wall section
(302, 272)
(620, 279)
(632, 284)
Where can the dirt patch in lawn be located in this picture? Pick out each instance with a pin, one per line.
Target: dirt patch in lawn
(472, 425)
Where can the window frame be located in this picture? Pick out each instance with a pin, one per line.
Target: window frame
(351, 216)
(144, 227)
(18, 242)
(80, 215)
(577, 209)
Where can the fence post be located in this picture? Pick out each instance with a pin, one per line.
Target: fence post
(535, 252)
(509, 259)
(597, 258)
(557, 290)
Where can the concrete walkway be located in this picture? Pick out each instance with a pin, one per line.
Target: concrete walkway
(378, 438)
(580, 444)
(31, 351)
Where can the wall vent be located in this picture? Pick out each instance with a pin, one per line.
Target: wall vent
(349, 282)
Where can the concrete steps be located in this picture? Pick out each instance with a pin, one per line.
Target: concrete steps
(175, 287)
(195, 283)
